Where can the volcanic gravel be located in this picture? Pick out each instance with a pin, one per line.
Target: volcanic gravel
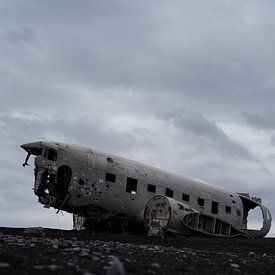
(50, 251)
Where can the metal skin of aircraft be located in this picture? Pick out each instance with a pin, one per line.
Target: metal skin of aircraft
(104, 187)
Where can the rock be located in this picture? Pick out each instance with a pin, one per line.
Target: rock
(84, 253)
(235, 265)
(53, 267)
(34, 231)
(251, 254)
(264, 255)
(155, 265)
(116, 267)
(95, 259)
(55, 243)
(4, 265)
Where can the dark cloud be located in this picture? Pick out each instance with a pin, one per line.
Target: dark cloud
(185, 86)
(208, 133)
(260, 120)
(20, 35)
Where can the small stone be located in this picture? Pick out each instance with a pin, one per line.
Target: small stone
(264, 255)
(53, 267)
(234, 265)
(97, 254)
(34, 231)
(251, 254)
(155, 265)
(95, 259)
(20, 240)
(55, 243)
(4, 265)
(116, 267)
(84, 253)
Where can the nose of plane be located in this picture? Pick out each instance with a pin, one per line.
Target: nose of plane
(33, 147)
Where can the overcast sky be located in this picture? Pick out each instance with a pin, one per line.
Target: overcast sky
(187, 86)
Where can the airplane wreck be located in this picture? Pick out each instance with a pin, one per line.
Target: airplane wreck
(97, 186)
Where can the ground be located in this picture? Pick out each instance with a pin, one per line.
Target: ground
(103, 252)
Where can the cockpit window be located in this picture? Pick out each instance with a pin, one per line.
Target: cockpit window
(35, 151)
(50, 154)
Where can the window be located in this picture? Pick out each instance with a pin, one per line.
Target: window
(131, 186)
(50, 154)
(151, 188)
(169, 193)
(185, 197)
(228, 209)
(215, 206)
(110, 177)
(239, 213)
(200, 202)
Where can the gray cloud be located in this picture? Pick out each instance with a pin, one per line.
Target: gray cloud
(20, 34)
(208, 133)
(160, 82)
(260, 120)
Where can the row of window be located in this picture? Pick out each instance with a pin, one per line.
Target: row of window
(131, 187)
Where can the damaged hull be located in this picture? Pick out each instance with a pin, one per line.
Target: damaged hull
(100, 186)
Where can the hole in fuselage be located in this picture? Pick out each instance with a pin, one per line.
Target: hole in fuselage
(63, 180)
(255, 219)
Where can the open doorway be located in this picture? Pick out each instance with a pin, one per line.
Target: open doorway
(63, 180)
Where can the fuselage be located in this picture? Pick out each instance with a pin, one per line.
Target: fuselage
(89, 182)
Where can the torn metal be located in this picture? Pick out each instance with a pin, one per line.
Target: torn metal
(97, 186)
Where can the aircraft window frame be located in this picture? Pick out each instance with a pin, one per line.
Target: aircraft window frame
(169, 192)
(50, 154)
(228, 209)
(131, 185)
(215, 207)
(151, 188)
(200, 201)
(110, 177)
(185, 197)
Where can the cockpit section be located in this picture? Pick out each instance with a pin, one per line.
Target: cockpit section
(53, 174)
